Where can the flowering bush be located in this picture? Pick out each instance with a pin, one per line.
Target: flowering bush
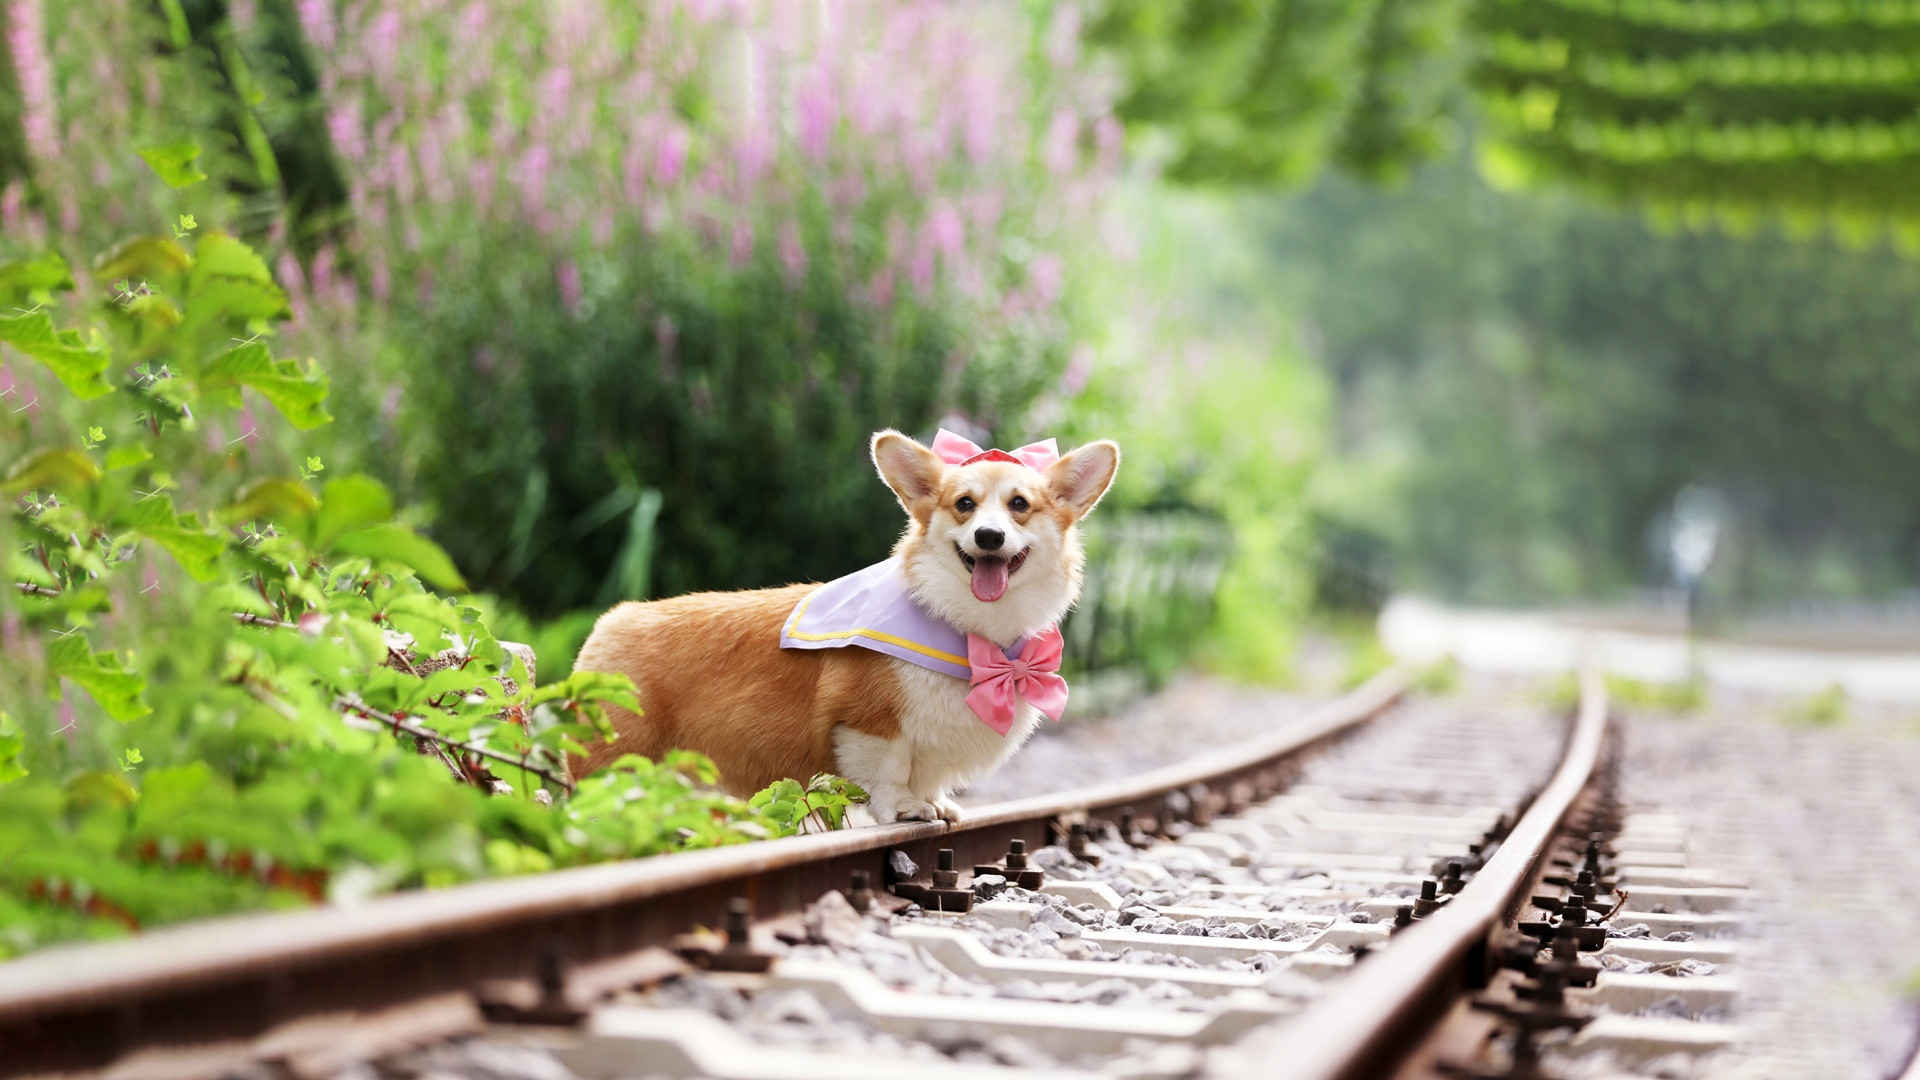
(649, 275)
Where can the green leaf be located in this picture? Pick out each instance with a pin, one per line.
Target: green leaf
(276, 499)
(397, 543)
(121, 693)
(34, 280)
(81, 365)
(229, 278)
(143, 257)
(350, 502)
(196, 548)
(127, 455)
(219, 254)
(101, 788)
(12, 744)
(52, 470)
(300, 396)
(173, 163)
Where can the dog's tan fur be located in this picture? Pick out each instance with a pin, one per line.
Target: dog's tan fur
(712, 676)
(707, 661)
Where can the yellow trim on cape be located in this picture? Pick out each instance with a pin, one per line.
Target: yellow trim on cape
(793, 631)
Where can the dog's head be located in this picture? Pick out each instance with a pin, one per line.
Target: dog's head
(991, 547)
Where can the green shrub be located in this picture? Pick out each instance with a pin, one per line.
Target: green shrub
(232, 686)
(1826, 709)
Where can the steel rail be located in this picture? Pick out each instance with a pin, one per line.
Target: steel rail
(1380, 1012)
(84, 1006)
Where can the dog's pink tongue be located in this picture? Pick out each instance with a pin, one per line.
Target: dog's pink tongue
(989, 579)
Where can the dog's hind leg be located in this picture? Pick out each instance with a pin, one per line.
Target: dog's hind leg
(882, 766)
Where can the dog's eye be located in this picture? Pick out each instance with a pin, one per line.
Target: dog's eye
(1017, 504)
(963, 504)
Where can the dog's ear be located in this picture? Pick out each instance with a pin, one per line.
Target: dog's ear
(911, 470)
(1078, 480)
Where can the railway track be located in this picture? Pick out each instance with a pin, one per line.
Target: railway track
(1344, 898)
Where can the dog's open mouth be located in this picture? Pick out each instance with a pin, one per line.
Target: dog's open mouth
(990, 572)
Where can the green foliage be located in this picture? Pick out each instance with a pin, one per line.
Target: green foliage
(1266, 91)
(820, 805)
(237, 691)
(1440, 678)
(1633, 695)
(1728, 108)
(1826, 709)
(1525, 384)
(1220, 430)
(174, 164)
(1366, 656)
(731, 452)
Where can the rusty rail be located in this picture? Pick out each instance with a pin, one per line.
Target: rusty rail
(234, 978)
(1380, 1013)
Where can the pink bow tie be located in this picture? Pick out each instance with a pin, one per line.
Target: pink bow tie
(960, 450)
(999, 684)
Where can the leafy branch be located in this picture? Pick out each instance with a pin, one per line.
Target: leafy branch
(401, 725)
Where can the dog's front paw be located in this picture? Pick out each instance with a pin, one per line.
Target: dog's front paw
(948, 810)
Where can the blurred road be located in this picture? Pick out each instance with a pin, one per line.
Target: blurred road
(1514, 642)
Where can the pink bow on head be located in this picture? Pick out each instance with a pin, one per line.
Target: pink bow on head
(960, 450)
(999, 684)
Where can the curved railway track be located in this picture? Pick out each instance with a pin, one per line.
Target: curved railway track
(1225, 914)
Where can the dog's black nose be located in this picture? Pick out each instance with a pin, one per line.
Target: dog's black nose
(989, 539)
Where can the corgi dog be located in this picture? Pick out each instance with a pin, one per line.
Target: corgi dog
(911, 677)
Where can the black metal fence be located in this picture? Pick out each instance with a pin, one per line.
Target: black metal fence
(1152, 578)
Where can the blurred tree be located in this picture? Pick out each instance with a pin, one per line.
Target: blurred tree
(1266, 91)
(1537, 380)
(1725, 106)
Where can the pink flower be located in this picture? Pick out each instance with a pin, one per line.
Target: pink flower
(1046, 274)
(920, 269)
(33, 72)
(671, 157)
(1063, 36)
(1079, 370)
(286, 270)
(472, 27)
(383, 47)
(816, 108)
(740, 248)
(880, 290)
(633, 172)
(567, 277)
(945, 232)
(343, 127)
(793, 256)
(554, 93)
(13, 203)
(317, 21)
(1111, 138)
(531, 177)
(752, 155)
(1062, 134)
(380, 280)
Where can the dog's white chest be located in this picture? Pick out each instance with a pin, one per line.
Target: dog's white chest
(951, 745)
